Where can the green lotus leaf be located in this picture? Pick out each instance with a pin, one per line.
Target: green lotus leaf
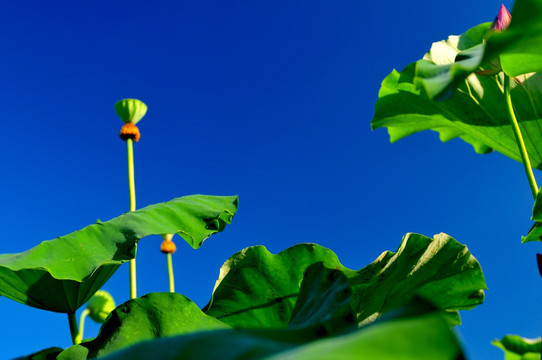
(476, 112)
(420, 337)
(517, 348)
(257, 289)
(151, 316)
(440, 270)
(130, 110)
(473, 108)
(62, 274)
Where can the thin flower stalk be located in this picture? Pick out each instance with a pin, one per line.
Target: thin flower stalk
(131, 111)
(519, 138)
(500, 24)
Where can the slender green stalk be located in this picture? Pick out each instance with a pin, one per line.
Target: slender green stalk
(73, 327)
(170, 272)
(131, 177)
(519, 138)
(131, 185)
(79, 337)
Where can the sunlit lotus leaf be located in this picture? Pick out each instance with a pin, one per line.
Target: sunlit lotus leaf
(476, 112)
(62, 274)
(473, 106)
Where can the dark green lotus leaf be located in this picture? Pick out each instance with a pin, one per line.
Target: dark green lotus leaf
(426, 336)
(517, 348)
(257, 289)
(62, 274)
(46, 354)
(440, 270)
(324, 301)
(148, 317)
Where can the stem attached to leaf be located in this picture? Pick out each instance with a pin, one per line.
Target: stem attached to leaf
(73, 327)
(519, 138)
(170, 272)
(131, 185)
(79, 337)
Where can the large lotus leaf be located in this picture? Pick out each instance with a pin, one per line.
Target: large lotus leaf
(518, 50)
(257, 289)
(440, 270)
(148, 317)
(517, 348)
(421, 337)
(62, 274)
(476, 112)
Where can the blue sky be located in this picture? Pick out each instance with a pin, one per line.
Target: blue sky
(268, 100)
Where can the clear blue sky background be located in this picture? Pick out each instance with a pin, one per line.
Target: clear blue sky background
(269, 100)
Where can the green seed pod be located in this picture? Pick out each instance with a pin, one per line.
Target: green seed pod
(100, 305)
(130, 110)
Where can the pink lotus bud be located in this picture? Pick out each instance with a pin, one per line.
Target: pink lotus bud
(502, 21)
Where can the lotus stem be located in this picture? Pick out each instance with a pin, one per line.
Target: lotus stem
(131, 185)
(519, 138)
(73, 327)
(79, 337)
(170, 272)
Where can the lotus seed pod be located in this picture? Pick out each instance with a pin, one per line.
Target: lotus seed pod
(130, 131)
(100, 305)
(131, 110)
